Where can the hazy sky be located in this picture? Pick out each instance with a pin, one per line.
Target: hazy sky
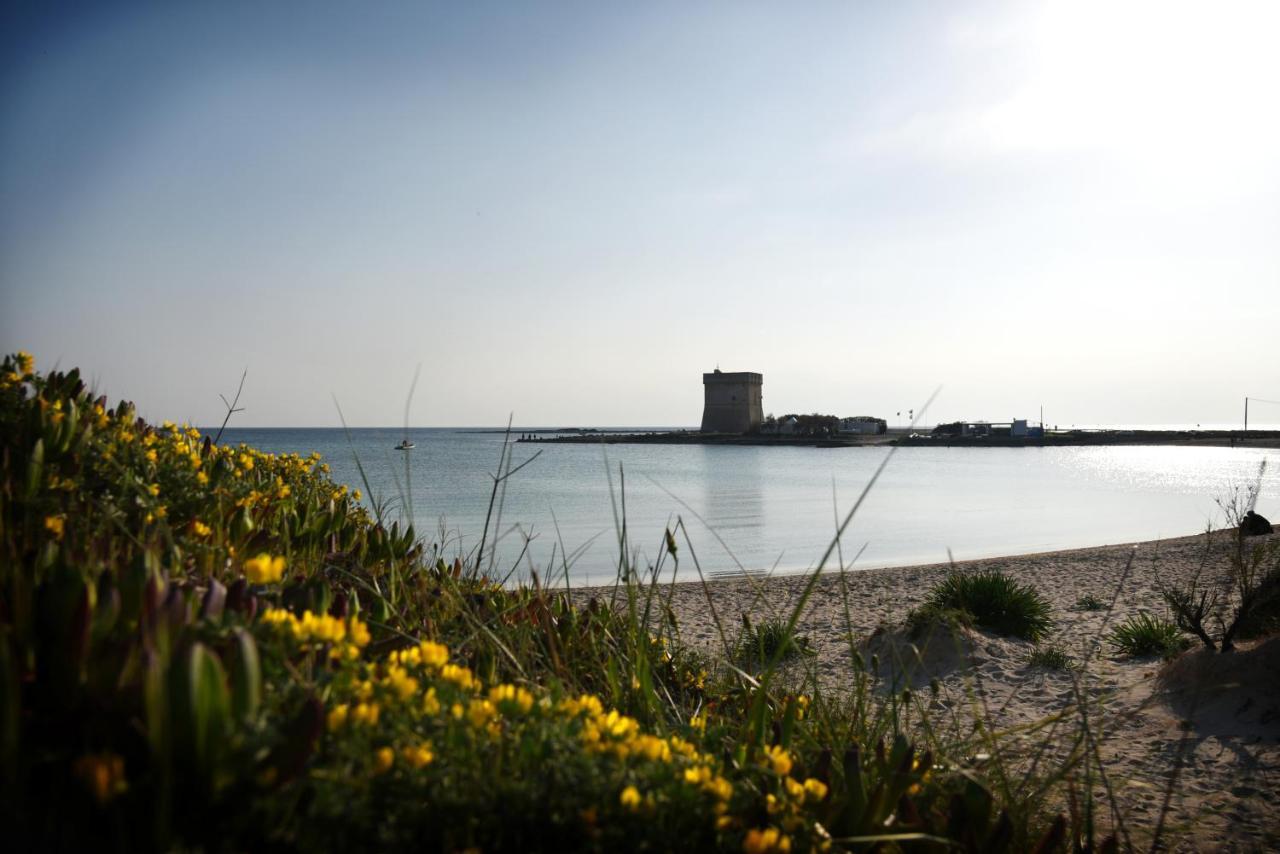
(569, 211)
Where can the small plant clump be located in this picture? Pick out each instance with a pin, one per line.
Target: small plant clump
(1090, 603)
(1050, 658)
(770, 640)
(928, 618)
(996, 602)
(1146, 634)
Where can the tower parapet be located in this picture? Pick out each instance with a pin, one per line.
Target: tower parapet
(733, 403)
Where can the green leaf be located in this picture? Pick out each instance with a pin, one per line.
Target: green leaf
(35, 468)
(201, 707)
(246, 675)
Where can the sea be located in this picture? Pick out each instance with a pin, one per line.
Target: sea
(569, 511)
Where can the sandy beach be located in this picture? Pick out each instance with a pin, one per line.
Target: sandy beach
(1215, 722)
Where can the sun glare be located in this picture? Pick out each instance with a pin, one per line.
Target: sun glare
(1181, 88)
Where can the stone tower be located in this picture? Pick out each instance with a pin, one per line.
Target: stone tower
(732, 402)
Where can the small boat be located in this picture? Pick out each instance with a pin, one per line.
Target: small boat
(405, 445)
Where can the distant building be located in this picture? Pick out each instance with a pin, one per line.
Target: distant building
(864, 424)
(733, 403)
(1018, 428)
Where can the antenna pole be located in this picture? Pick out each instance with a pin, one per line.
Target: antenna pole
(1246, 416)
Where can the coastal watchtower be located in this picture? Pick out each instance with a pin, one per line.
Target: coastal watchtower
(732, 402)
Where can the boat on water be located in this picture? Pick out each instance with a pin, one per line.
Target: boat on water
(405, 445)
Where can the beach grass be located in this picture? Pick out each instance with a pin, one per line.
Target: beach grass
(1050, 657)
(994, 601)
(1147, 634)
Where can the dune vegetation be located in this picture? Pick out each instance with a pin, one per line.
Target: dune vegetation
(209, 647)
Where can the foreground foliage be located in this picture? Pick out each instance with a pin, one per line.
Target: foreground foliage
(205, 646)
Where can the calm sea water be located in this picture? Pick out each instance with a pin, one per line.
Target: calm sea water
(775, 508)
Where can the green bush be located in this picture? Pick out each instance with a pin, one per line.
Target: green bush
(1146, 634)
(995, 602)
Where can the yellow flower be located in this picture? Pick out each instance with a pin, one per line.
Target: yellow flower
(401, 682)
(102, 773)
(202, 478)
(652, 748)
(337, 717)
(383, 759)
(152, 456)
(359, 632)
(154, 489)
(480, 712)
(697, 774)
(718, 786)
(356, 495)
(26, 362)
(512, 697)
(264, 569)
(55, 525)
(365, 713)
(584, 703)
(815, 790)
(779, 759)
(430, 703)
(418, 757)
(434, 655)
(161, 511)
(630, 798)
(766, 841)
(201, 529)
(458, 675)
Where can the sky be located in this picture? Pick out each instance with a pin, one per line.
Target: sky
(566, 212)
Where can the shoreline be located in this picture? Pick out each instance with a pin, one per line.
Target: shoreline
(1228, 750)
(1263, 439)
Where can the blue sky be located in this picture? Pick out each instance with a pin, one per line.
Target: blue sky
(570, 211)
